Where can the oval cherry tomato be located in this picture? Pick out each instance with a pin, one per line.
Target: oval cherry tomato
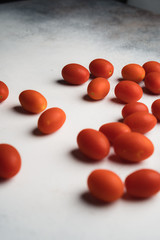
(133, 72)
(133, 107)
(51, 120)
(4, 91)
(105, 185)
(75, 74)
(143, 183)
(10, 161)
(156, 109)
(93, 144)
(128, 91)
(113, 130)
(141, 122)
(151, 66)
(32, 101)
(101, 68)
(133, 147)
(152, 82)
(98, 88)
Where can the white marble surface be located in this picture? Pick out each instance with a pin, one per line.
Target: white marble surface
(48, 199)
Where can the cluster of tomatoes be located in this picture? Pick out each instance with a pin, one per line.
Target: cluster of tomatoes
(127, 138)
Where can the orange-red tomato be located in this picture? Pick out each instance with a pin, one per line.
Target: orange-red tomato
(133, 72)
(93, 144)
(113, 130)
(105, 185)
(156, 109)
(134, 107)
(141, 122)
(101, 68)
(143, 183)
(151, 66)
(32, 101)
(133, 147)
(10, 161)
(152, 82)
(98, 88)
(74, 73)
(51, 120)
(128, 91)
(4, 91)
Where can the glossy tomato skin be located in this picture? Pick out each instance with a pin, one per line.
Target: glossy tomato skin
(133, 72)
(98, 88)
(152, 82)
(51, 120)
(32, 101)
(151, 66)
(143, 183)
(101, 68)
(130, 108)
(141, 122)
(75, 74)
(105, 185)
(113, 130)
(133, 147)
(93, 144)
(10, 161)
(4, 91)
(156, 109)
(128, 91)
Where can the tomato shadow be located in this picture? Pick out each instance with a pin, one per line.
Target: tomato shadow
(146, 91)
(36, 132)
(91, 200)
(79, 156)
(4, 181)
(19, 109)
(91, 77)
(64, 83)
(120, 79)
(128, 198)
(116, 100)
(121, 120)
(116, 159)
(87, 98)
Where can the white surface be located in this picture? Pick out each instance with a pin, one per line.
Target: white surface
(46, 200)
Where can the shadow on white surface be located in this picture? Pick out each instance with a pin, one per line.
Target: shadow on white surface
(79, 156)
(116, 159)
(87, 198)
(19, 109)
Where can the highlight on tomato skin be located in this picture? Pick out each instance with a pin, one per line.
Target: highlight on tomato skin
(151, 66)
(98, 88)
(113, 130)
(141, 122)
(128, 91)
(133, 107)
(133, 147)
(10, 161)
(4, 91)
(152, 82)
(32, 101)
(105, 185)
(51, 120)
(143, 183)
(93, 144)
(156, 109)
(101, 68)
(75, 74)
(133, 72)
